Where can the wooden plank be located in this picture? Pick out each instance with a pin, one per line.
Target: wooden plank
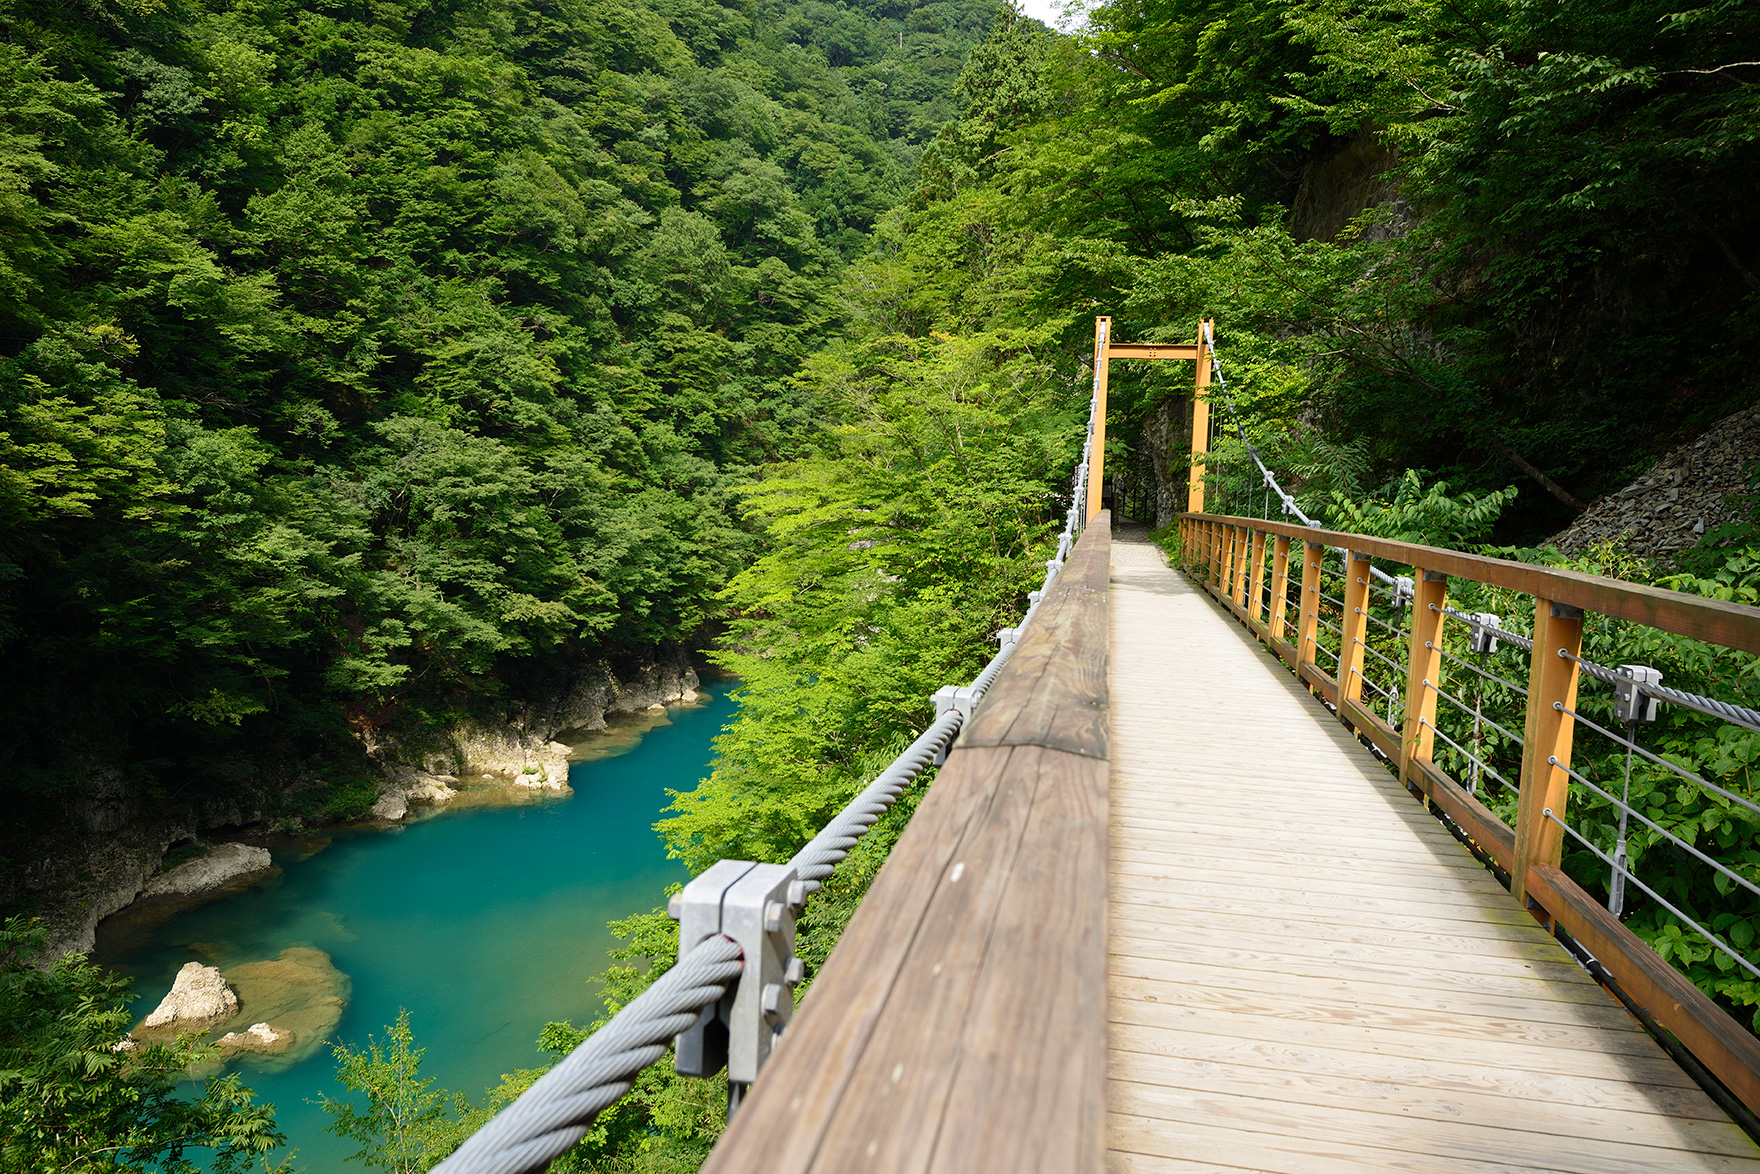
(1176, 979)
(1521, 1113)
(1484, 1049)
(1439, 1139)
(1053, 691)
(1557, 981)
(1733, 625)
(1309, 1058)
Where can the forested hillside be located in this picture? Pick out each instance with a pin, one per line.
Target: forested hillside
(361, 364)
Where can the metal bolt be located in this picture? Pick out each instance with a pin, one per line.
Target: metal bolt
(772, 1000)
(773, 917)
(675, 906)
(795, 972)
(797, 895)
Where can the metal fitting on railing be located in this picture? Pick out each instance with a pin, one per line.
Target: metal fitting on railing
(961, 699)
(1482, 630)
(1631, 703)
(1007, 637)
(754, 905)
(1402, 591)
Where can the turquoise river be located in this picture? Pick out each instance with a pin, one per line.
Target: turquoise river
(485, 922)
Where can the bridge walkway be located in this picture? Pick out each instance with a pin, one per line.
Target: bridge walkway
(1307, 973)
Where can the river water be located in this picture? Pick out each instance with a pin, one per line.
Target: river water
(485, 923)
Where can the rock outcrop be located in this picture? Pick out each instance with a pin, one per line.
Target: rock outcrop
(226, 864)
(199, 998)
(524, 749)
(300, 993)
(1693, 488)
(393, 805)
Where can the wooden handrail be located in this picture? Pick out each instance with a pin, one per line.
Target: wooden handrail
(1530, 853)
(1733, 625)
(960, 1024)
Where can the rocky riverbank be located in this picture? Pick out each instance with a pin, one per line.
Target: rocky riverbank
(106, 852)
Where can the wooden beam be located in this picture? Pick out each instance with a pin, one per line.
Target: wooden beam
(1152, 350)
(1308, 610)
(1200, 426)
(1097, 441)
(1279, 588)
(1546, 749)
(1354, 624)
(1423, 664)
(1715, 621)
(960, 1023)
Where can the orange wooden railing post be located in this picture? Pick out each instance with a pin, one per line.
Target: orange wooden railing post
(1355, 626)
(1423, 664)
(1097, 442)
(1552, 683)
(1200, 423)
(1308, 611)
(1279, 586)
(1256, 580)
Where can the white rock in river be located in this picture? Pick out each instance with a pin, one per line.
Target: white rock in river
(392, 805)
(222, 866)
(199, 998)
(258, 1037)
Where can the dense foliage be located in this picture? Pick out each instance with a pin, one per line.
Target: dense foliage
(73, 1102)
(362, 363)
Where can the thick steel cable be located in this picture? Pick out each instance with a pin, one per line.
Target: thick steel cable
(1734, 714)
(557, 1111)
(825, 851)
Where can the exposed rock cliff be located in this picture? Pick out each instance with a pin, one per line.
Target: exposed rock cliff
(1693, 488)
(225, 865)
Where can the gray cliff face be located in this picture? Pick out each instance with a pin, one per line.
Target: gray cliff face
(1695, 487)
(524, 749)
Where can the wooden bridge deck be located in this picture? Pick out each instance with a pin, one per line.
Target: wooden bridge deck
(1307, 973)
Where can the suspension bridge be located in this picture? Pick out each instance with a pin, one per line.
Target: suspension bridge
(1250, 861)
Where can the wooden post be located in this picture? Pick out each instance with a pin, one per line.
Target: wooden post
(1256, 581)
(1200, 422)
(1097, 443)
(1308, 611)
(1552, 681)
(1355, 625)
(1225, 579)
(1242, 568)
(1279, 586)
(1423, 663)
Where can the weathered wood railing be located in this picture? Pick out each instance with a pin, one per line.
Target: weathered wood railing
(960, 1024)
(1246, 564)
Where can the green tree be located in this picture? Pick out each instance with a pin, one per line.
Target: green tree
(76, 1099)
(407, 1125)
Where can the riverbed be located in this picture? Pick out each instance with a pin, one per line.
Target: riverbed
(485, 922)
